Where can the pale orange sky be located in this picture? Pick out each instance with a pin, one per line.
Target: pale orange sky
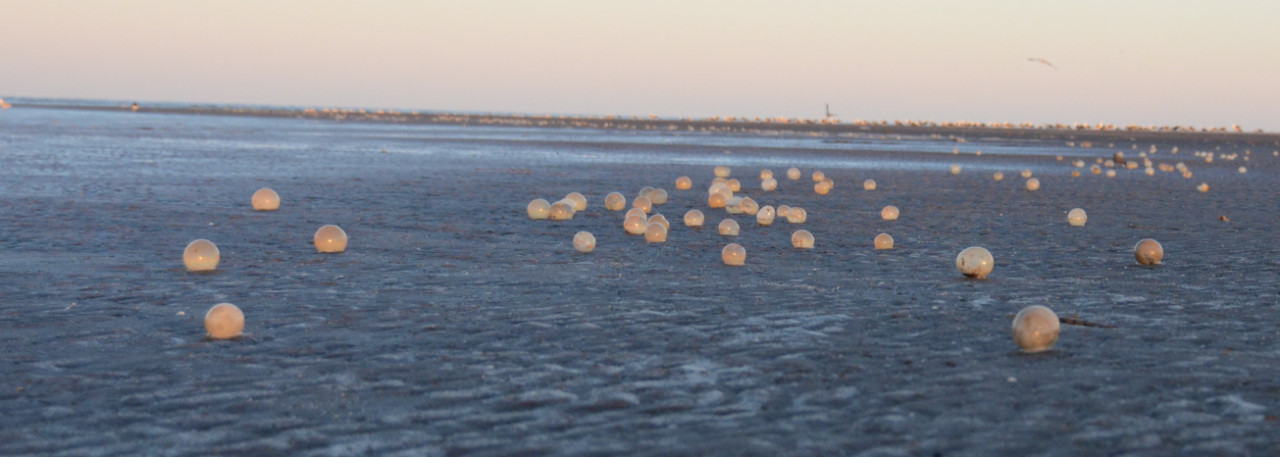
(1148, 62)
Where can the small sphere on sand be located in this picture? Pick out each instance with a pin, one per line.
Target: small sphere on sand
(998, 176)
(802, 239)
(1033, 184)
(766, 174)
(765, 215)
(584, 242)
(660, 219)
(1077, 217)
(684, 183)
(869, 184)
(822, 188)
(201, 255)
(797, 215)
(1111, 173)
(1203, 187)
(975, 262)
(643, 203)
(793, 174)
(1026, 174)
(635, 212)
(884, 241)
(734, 255)
(734, 185)
(1075, 173)
(561, 211)
(657, 196)
(1035, 329)
(1095, 169)
(818, 176)
(1243, 170)
(694, 218)
(769, 185)
(1186, 174)
(644, 191)
(615, 201)
(733, 205)
(717, 200)
(539, 209)
(729, 227)
(224, 321)
(635, 225)
(655, 233)
(955, 169)
(1149, 171)
(331, 238)
(889, 213)
(1148, 252)
(722, 172)
(749, 206)
(1078, 164)
(266, 199)
(783, 211)
(579, 201)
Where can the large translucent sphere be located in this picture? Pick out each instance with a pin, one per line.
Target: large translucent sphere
(818, 176)
(749, 206)
(643, 203)
(1026, 174)
(694, 218)
(224, 321)
(955, 169)
(797, 215)
(733, 205)
(734, 185)
(802, 239)
(635, 225)
(729, 227)
(1033, 184)
(1035, 328)
(783, 211)
(615, 201)
(561, 211)
(655, 233)
(765, 215)
(1095, 169)
(889, 213)
(539, 209)
(266, 199)
(636, 212)
(1148, 252)
(660, 219)
(579, 201)
(331, 238)
(201, 255)
(769, 185)
(584, 242)
(793, 174)
(658, 196)
(1077, 217)
(884, 241)
(1111, 173)
(718, 187)
(722, 172)
(766, 174)
(869, 184)
(734, 255)
(822, 188)
(975, 262)
(684, 183)
(716, 200)
(998, 176)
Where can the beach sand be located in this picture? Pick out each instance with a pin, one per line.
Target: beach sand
(454, 324)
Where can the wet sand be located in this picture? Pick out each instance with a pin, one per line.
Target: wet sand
(454, 325)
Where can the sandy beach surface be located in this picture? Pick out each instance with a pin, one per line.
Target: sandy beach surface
(455, 325)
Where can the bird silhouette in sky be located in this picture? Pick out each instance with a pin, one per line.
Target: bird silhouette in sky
(1046, 62)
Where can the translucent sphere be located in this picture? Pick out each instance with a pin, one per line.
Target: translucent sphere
(793, 174)
(1187, 174)
(734, 185)
(539, 209)
(579, 201)
(661, 220)
(1095, 169)
(201, 255)
(802, 239)
(717, 200)
(1243, 170)
(1033, 184)
(224, 321)
(766, 174)
(1075, 173)
(717, 188)
(869, 184)
(1111, 173)
(584, 242)
(561, 211)
(266, 199)
(797, 215)
(1026, 174)
(615, 201)
(734, 255)
(889, 213)
(765, 215)
(636, 212)
(722, 172)
(693, 218)
(658, 196)
(643, 203)
(822, 188)
(783, 211)
(655, 233)
(1149, 171)
(998, 176)
(644, 191)
(975, 262)
(1203, 187)
(733, 205)
(769, 185)
(1035, 328)
(749, 206)
(955, 169)
(729, 227)
(1078, 163)
(1148, 252)
(635, 225)
(331, 238)
(884, 241)
(1077, 217)
(684, 183)
(818, 176)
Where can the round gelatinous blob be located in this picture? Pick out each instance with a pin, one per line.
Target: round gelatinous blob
(783, 211)
(769, 185)
(734, 185)
(722, 172)
(1033, 184)
(266, 199)
(694, 218)
(884, 241)
(729, 227)
(539, 209)
(793, 174)
(1148, 252)
(869, 184)
(765, 215)
(1203, 187)
(889, 213)
(644, 191)
(635, 225)
(797, 215)
(201, 255)
(717, 200)
(749, 206)
(635, 212)
(718, 187)
(822, 188)
(955, 169)
(1075, 173)
(655, 233)
(615, 201)
(1026, 174)
(802, 239)
(224, 321)
(1242, 170)
(658, 196)
(561, 211)
(975, 262)
(331, 238)
(579, 201)
(660, 219)
(1149, 171)
(733, 205)
(643, 203)
(1077, 217)
(584, 242)
(1111, 173)
(998, 176)
(818, 176)
(684, 183)
(1095, 169)
(1035, 328)
(734, 255)
(766, 174)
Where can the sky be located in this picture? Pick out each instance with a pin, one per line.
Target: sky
(1202, 63)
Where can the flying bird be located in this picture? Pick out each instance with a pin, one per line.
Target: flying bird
(1046, 62)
